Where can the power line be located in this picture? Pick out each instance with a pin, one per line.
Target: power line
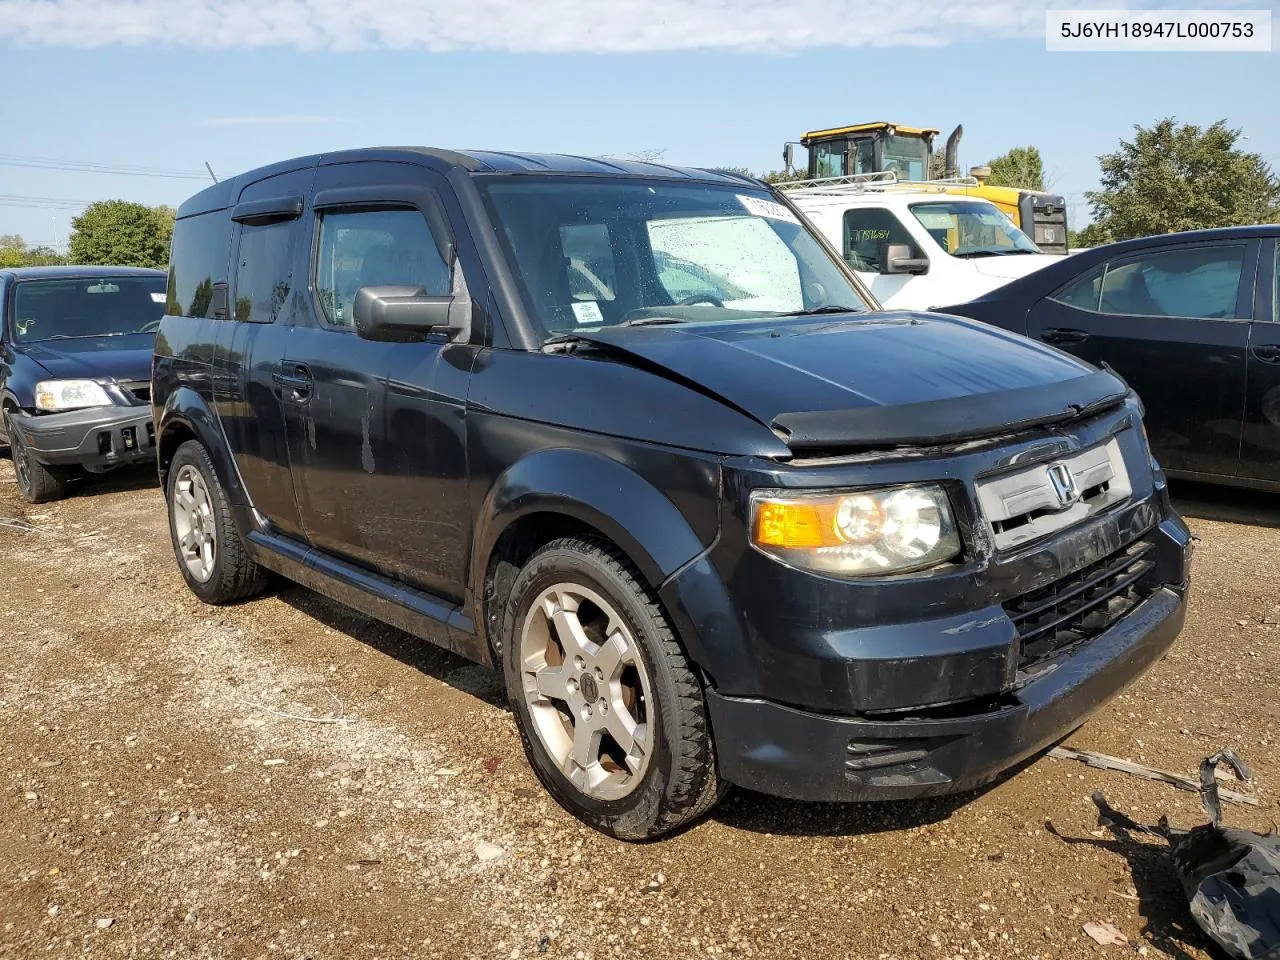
(42, 203)
(90, 166)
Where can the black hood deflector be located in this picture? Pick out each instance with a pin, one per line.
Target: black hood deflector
(954, 420)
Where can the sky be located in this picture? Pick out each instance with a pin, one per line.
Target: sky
(163, 87)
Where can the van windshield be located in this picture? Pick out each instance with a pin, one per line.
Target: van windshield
(972, 228)
(87, 307)
(593, 253)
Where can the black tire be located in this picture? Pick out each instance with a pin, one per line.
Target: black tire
(234, 576)
(680, 782)
(37, 482)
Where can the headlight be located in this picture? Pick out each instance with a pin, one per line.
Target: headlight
(54, 396)
(864, 533)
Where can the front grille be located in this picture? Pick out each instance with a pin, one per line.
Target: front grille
(1076, 608)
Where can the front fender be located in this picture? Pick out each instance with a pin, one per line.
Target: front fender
(605, 494)
(185, 413)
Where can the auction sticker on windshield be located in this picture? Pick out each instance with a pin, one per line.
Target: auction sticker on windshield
(767, 208)
(587, 311)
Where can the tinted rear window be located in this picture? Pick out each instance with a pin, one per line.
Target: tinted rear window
(198, 266)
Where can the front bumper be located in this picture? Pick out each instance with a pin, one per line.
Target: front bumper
(97, 439)
(781, 750)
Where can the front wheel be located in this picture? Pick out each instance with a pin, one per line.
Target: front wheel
(37, 482)
(610, 713)
(206, 543)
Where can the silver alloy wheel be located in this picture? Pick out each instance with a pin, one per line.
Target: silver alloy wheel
(587, 690)
(193, 523)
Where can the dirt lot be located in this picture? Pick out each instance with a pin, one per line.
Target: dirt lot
(150, 807)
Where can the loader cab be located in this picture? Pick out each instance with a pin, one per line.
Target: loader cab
(870, 148)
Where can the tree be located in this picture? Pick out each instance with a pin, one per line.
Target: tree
(783, 176)
(1175, 177)
(1021, 167)
(14, 252)
(122, 234)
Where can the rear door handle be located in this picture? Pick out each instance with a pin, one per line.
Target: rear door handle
(1266, 352)
(294, 377)
(1063, 335)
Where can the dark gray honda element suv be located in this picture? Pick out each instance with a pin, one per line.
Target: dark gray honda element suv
(635, 435)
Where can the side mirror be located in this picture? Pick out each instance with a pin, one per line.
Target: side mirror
(407, 313)
(896, 258)
(788, 155)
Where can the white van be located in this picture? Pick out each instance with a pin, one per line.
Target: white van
(919, 247)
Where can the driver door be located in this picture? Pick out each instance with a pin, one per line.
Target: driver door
(1174, 322)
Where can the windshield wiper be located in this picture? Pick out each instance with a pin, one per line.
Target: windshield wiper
(825, 308)
(1001, 252)
(651, 321)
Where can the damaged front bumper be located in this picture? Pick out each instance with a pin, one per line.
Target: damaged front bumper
(901, 753)
(97, 439)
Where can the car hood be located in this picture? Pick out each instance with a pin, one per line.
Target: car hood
(126, 357)
(870, 380)
(1014, 266)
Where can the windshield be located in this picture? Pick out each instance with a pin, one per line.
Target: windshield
(908, 157)
(972, 228)
(594, 253)
(87, 307)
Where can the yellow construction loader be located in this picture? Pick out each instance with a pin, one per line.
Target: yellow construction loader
(904, 155)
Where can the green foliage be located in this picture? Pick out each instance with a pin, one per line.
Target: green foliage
(740, 171)
(1175, 177)
(1021, 167)
(14, 252)
(122, 234)
(783, 176)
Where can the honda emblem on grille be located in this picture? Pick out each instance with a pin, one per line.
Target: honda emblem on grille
(1063, 483)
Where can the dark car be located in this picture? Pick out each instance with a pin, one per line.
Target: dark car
(795, 544)
(75, 371)
(1191, 321)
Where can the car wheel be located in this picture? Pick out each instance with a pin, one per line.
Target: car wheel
(210, 553)
(36, 482)
(611, 714)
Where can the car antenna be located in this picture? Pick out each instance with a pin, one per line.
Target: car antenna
(211, 173)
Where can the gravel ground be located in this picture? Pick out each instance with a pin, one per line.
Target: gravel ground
(155, 802)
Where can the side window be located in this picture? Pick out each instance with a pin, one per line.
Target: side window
(867, 231)
(1083, 292)
(589, 252)
(1275, 287)
(198, 266)
(1200, 282)
(264, 270)
(370, 248)
(829, 160)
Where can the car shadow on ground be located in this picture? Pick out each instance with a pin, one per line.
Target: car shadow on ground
(423, 656)
(1204, 501)
(741, 809)
(1167, 921)
(122, 480)
(761, 813)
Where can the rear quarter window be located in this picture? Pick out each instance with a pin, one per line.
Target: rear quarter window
(198, 266)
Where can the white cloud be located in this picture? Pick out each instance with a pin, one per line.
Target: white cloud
(269, 121)
(543, 26)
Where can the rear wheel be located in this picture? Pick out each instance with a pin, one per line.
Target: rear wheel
(610, 713)
(206, 543)
(37, 482)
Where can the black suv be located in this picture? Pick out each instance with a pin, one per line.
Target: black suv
(75, 371)
(636, 434)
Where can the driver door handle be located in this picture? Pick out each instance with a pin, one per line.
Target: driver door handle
(1266, 352)
(1063, 335)
(294, 377)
